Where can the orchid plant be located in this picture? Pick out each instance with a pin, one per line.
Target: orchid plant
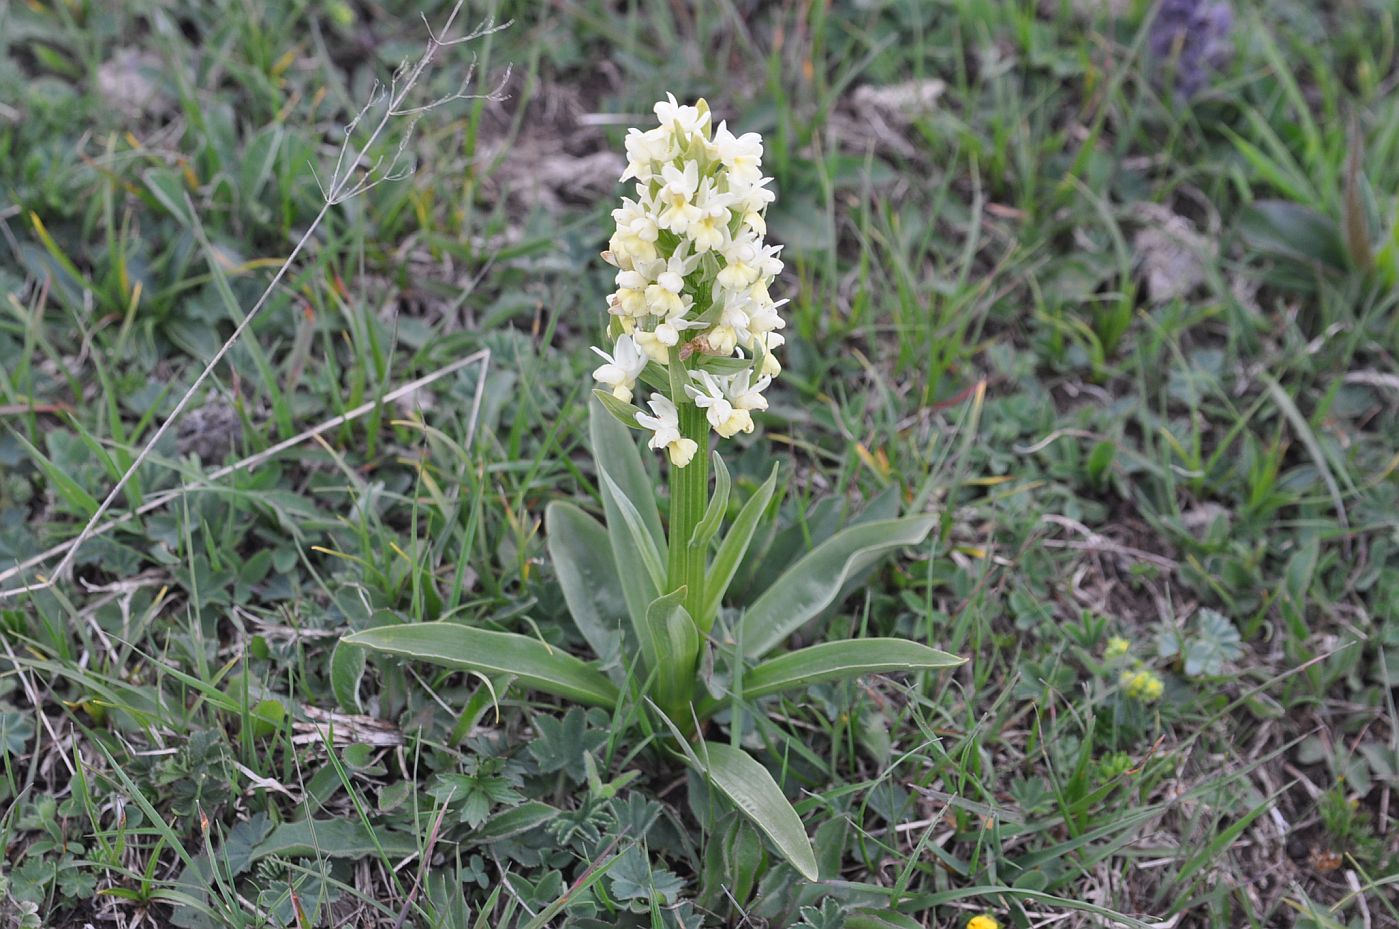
(692, 322)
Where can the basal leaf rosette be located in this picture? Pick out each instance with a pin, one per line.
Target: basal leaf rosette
(693, 316)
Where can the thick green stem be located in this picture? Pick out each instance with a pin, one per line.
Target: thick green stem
(689, 495)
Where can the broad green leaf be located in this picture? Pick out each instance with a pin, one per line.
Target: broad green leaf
(682, 648)
(526, 817)
(582, 556)
(484, 651)
(834, 660)
(880, 919)
(334, 838)
(811, 584)
(619, 466)
(1291, 230)
(708, 526)
(717, 364)
(622, 411)
(654, 635)
(750, 787)
(346, 669)
(733, 548)
(632, 530)
(614, 450)
(821, 520)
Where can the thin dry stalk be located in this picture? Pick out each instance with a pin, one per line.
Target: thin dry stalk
(350, 178)
(483, 357)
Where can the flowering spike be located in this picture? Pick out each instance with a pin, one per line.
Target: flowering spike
(693, 276)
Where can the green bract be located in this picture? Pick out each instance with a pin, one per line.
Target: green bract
(656, 591)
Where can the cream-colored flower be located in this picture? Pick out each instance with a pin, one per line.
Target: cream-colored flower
(672, 328)
(722, 415)
(762, 314)
(693, 270)
(665, 431)
(688, 120)
(654, 348)
(767, 342)
(630, 298)
(745, 393)
(678, 198)
(742, 155)
(741, 256)
(622, 367)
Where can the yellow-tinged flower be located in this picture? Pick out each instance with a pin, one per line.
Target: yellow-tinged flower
(711, 396)
(1117, 647)
(665, 429)
(693, 273)
(622, 367)
(1142, 684)
(983, 921)
(654, 348)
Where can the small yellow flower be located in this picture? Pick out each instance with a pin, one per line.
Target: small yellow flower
(1117, 647)
(983, 922)
(1142, 685)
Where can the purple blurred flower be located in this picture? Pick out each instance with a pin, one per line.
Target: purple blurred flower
(1193, 36)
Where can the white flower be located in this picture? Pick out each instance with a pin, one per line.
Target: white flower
(672, 274)
(745, 393)
(767, 342)
(742, 155)
(763, 315)
(636, 218)
(623, 367)
(668, 332)
(710, 397)
(769, 265)
(722, 340)
(662, 301)
(736, 316)
(687, 119)
(755, 197)
(710, 230)
(665, 429)
(690, 243)
(678, 195)
(630, 298)
(646, 148)
(739, 271)
(654, 348)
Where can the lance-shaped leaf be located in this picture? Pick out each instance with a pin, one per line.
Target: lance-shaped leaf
(658, 644)
(614, 450)
(629, 533)
(622, 411)
(750, 787)
(733, 548)
(582, 556)
(708, 526)
(810, 585)
(536, 665)
(629, 499)
(835, 660)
